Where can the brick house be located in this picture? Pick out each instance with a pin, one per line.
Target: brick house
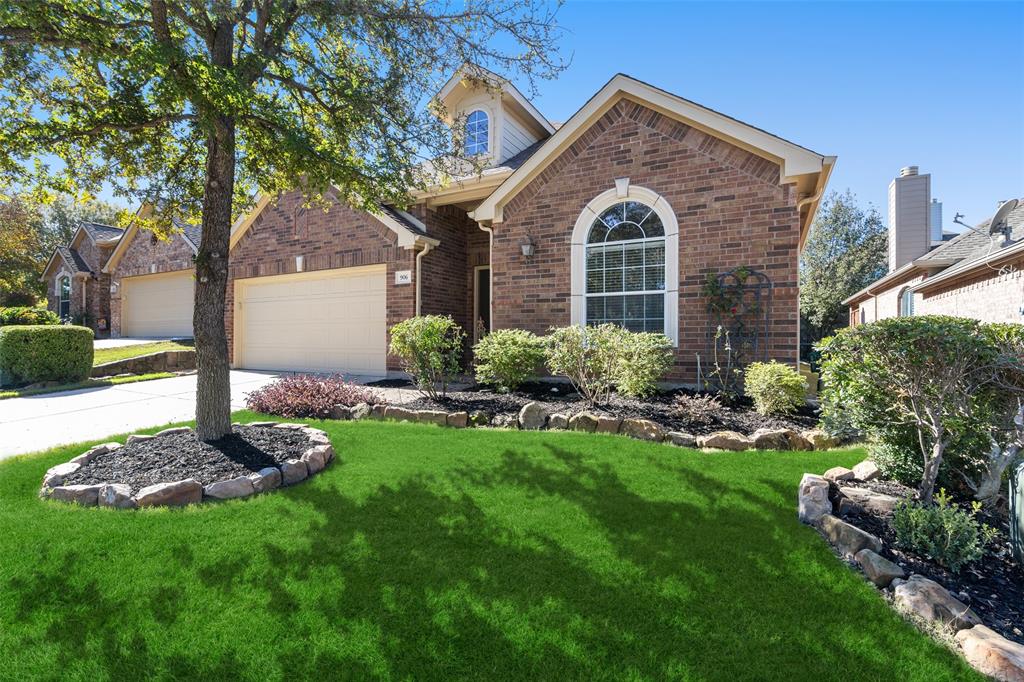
(978, 273)
(618, 215)
(77, 289)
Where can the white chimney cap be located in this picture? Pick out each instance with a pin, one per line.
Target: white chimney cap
(908, 170)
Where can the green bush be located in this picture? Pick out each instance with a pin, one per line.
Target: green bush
(774, 387)
(644, 358)
(430, 348)
(22, 315)
(29, 354)
(507, 357)
(942, 531)
(587, 356)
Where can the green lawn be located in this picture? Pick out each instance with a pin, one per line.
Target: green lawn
(104, 355)
(88, 383)
(430, 553)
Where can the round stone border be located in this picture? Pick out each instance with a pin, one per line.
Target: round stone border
(927, 602)
(535, 416)
(316, 457)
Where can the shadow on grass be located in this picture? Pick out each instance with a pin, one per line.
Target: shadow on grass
(433, 578)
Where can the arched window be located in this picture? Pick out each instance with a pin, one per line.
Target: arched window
(477, 131)
(907, 302)
(626, 268)
(64, 307)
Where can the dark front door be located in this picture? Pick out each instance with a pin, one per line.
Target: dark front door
(482, 302)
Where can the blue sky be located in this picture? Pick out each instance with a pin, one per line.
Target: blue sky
(939, 85)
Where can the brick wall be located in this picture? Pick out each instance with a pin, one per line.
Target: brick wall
(146, 254)
(97, 289)
(731, 209)
(336, 238)
(886, 302)
(989, 296)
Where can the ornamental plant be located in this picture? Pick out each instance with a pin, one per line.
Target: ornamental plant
(24, 315)
(943, 532)
(30, 354)
(774, 387)
(507, 357)
(643, 359)
(587, 356)
(430, 349)
(308, 396)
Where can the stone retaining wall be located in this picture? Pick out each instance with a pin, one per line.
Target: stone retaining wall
(164, 361)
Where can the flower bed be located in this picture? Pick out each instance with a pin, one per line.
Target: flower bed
(174, 468)
(983, 604)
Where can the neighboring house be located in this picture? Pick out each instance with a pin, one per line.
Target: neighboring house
(152, 281)
(978, 273)
(76, 287)
(619, 215)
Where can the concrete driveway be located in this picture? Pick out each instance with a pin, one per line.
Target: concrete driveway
(45, 421)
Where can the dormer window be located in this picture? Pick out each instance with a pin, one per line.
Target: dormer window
(477, 131)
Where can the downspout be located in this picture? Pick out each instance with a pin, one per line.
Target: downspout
(419, 262)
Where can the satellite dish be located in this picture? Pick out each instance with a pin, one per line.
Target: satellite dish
(998, 224)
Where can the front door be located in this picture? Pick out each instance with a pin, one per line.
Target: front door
(481, 301)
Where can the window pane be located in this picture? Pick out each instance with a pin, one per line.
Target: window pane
(634, 307)
(595, 310)
(633, 255)
(624, 231)
(598, 231)
(613, 280)
(652, 226)
(654, 254)
(613, 308)
(613, 257)
(656, 325)
(655, 278)
(654, 306)
(612, 216)
(595, 270)
(634, 325)
(634, 279)
(636, 212)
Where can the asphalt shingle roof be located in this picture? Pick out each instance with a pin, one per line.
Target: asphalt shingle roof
(101, 232)
(193, 233)
(969, 246)
(400, 217)
(72, 257)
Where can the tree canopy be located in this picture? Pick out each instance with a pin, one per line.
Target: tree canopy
(196, 105)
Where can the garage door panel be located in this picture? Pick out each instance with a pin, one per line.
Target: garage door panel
(157, 305)
(334, 321)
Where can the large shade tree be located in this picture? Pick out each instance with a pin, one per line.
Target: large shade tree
(195, 105)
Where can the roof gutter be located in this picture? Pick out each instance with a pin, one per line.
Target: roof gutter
(427, 246)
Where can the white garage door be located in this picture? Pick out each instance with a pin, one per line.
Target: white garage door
(157, 305)
(327, 321)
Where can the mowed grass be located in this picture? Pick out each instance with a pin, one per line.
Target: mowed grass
(429, 553)
(104, 355)
(88, 383)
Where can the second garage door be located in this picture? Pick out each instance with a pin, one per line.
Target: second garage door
(157, 305)
(326, 321)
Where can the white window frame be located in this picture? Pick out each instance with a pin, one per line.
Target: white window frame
(60, 293)
(906, 296)
(487, 141)
(623, 191)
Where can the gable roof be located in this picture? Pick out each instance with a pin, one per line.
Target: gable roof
(101, 233)
(469, 73)
(188, 232)
(70, 258)
(798, 164)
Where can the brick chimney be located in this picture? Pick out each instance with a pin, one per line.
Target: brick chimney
(910, 235)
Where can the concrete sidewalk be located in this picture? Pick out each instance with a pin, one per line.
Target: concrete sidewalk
(44, 421)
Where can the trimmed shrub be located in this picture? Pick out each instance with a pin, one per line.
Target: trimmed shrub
(430, 348)
(774, 387)
(308, 396)
(587, 356)
(943, 532)
(643, 359)
(697, 409)
(22, 315)
(507, 357)
(30, 354)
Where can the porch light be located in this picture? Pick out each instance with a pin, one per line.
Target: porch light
(528, 247)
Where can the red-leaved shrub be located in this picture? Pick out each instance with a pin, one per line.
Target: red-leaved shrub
(308, 396)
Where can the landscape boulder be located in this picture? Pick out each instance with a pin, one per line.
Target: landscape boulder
(359, 411)
(846, 537)
(174, 494)
(773, 439)
(642, 429)
(341, 412)
(799, 443)
(116, 495)
(138, 438)
(992, 654)
(820, 439)
(55, 475)
(85, 495)
(439, 417)
(931, 601)
(879, 503)
(726, 440)
(240, 486)
(293, 471)
(94, 452)
(877, 568)
(266, 479)
(458, 420)
(172, 431)
(400, 413)
(681, 439)
(584, 421)
(866, 471)
(608, 424)
(836, 474)
(479, 418)
(558, 421)
(813, 502)
(533, 416)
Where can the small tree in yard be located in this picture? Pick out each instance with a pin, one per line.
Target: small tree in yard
(430, 348)
(194, 105)
(918, 372)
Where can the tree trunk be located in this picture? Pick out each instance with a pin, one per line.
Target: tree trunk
(213, 389)
(931, 471)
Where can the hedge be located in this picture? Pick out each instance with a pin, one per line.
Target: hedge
(30, 354)
(23, 315)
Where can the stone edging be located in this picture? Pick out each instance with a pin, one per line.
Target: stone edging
(317, 456)
(985, 650)
(535, 416)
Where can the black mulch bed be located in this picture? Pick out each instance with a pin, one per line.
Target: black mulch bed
(992, 586)
(560, 397)
(179, 456)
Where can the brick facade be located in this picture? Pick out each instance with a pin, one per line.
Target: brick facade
(731, 209)
(336, 238)
(95, 313)
(987, 295)
(147, 254)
